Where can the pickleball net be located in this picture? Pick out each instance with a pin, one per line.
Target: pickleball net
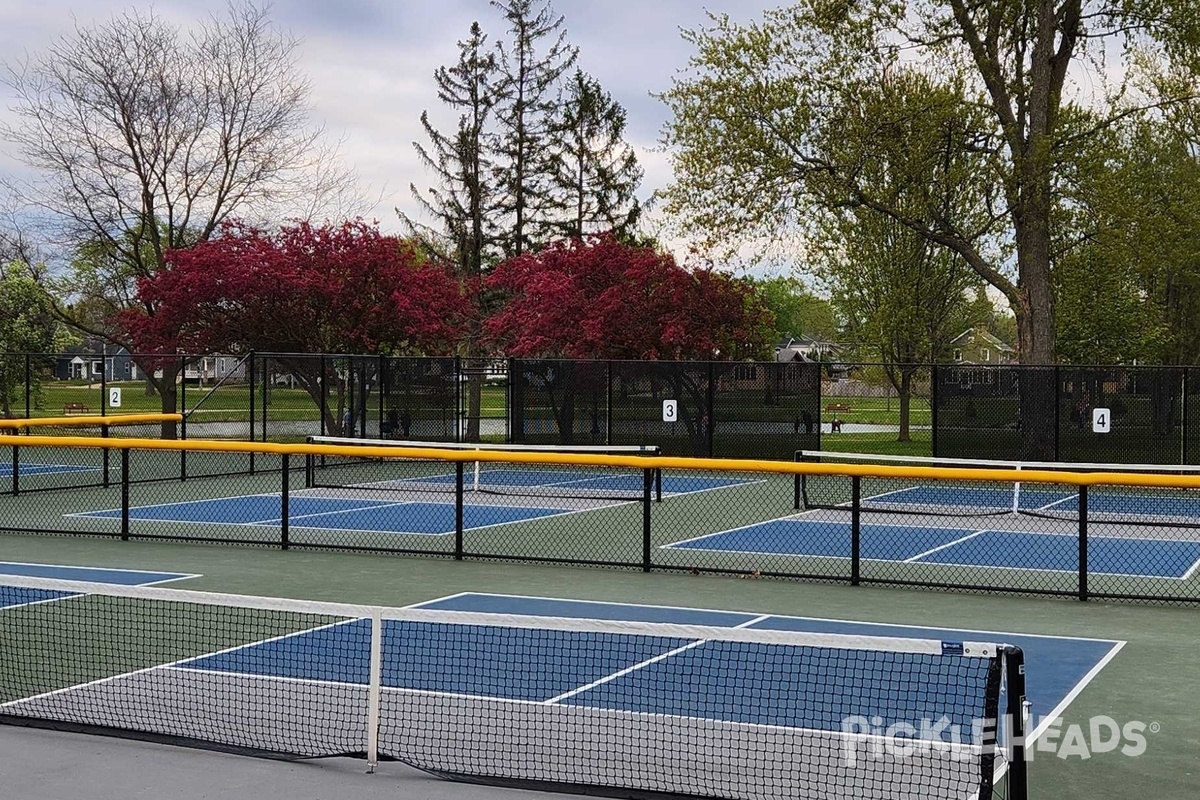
(609, 707)
(409, 472)
(949, 496)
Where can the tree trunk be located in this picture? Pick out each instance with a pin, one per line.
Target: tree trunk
(905, 393)
(1035, 326)
(168, 390)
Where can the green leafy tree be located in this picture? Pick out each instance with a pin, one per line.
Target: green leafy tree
(1139, 218)
(27, 326)
(764, 126)
(901, 296)
(797, 311)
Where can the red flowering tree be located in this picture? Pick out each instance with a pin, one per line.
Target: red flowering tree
(302, 289)
(601, 299)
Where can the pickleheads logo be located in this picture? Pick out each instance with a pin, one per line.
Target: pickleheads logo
(875, 739)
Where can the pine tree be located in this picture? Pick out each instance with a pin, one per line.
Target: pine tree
(461, 200)
(528, 90)
(595, 172)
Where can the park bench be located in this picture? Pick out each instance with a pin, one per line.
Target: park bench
(75, 408)
(835, 407)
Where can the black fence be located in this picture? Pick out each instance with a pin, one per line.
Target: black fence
(1075, 536)
(1112, 414)
(1134, 415)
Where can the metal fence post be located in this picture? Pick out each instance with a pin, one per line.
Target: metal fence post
(647, 482)
(183, 414)
(250, 378)
(458, 511)
(124, 493)
(283, 504)
(1083, 543)
(855, 530)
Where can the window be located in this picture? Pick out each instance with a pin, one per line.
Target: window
(958, 355)
(985, 354)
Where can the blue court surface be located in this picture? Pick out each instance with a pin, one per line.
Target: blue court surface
(960, 546)
(623, 672)
(627, 484)
(11, 596)
(328, 513)
(1127, 504)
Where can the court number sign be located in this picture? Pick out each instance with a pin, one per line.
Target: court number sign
(670, 410)
(114, 397)
(1101, 420)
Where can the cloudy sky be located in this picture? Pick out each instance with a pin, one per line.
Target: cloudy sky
(371, 65)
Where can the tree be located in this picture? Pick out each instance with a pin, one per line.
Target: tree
(464, 198)
(528, 90)
(27, 326)
(797, 311)
(598, 298)
(300, 290)
(762, 121)
(595, 173)
(902, 296)
(146, 138)
(1139, 215)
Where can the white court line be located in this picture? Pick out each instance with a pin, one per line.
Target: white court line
(646, 663)
(960, 540)
(794, 518)
(988, 634)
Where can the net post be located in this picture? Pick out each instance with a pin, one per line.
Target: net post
(1083, 542)
(1018, 770)
(647, 482)
(1016, 498)
(458, 510)
(373, 688)
(16, 463)
(283, 504)
(124, 493)
(855, 530)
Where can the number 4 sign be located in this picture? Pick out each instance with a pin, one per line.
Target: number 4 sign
(1101, 420)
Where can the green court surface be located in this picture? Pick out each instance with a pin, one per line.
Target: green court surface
(1154, 679)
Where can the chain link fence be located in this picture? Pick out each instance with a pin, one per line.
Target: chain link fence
(744, 409)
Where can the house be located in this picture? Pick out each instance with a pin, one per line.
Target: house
(978, 346)
(805, 348)
(93, 359)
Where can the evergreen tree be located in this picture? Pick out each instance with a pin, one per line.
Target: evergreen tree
(595, 173)
(531, 68)
(461, 199)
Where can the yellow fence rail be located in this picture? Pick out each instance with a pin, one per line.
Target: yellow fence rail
(1066, 476)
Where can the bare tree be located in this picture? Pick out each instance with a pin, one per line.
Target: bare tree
(146, 137)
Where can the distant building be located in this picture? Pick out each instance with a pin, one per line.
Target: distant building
(805, 348)
(976, 346)
(93, 358)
